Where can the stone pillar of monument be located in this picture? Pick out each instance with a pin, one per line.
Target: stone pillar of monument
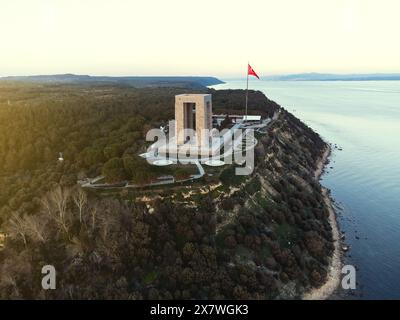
(184, 106)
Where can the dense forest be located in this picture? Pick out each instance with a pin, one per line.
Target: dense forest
(131, 81)
(260, 237)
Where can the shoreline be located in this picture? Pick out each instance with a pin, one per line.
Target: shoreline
(335, 265)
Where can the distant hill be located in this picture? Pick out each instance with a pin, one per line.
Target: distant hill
(138, 82)
(335, 77)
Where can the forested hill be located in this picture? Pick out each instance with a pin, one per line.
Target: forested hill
(137, 82)
(89, 124)
(263, 236)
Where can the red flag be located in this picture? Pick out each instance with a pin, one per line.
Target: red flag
(251, 72)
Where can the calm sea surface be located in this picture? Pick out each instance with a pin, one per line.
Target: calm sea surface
(362, 118)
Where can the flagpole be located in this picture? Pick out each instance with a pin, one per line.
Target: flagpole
(247, 89)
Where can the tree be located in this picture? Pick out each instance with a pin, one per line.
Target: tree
(114, 170)
(54, 204)
(225, 123)
(138, 169)
(17, 228)
(92, 156)
(113, 151)
(80, 200)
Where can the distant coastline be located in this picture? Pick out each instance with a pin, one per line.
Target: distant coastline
(326, 77)
(187, 82)
(336, 77)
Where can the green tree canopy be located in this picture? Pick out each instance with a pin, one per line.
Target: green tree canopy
(114, 170)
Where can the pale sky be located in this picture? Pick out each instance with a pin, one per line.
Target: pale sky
(192, 37)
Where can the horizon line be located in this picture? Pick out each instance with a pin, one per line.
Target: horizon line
(198, 75)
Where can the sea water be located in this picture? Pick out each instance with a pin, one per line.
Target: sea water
(363, 119)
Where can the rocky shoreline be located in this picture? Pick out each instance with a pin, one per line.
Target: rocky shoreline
(335, 265)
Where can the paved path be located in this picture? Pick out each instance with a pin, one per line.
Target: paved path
(228, 153)
(92, 182)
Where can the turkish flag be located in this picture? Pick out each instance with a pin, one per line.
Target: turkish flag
(251, 72)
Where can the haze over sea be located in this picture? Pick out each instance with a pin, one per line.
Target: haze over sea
(363, 118)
